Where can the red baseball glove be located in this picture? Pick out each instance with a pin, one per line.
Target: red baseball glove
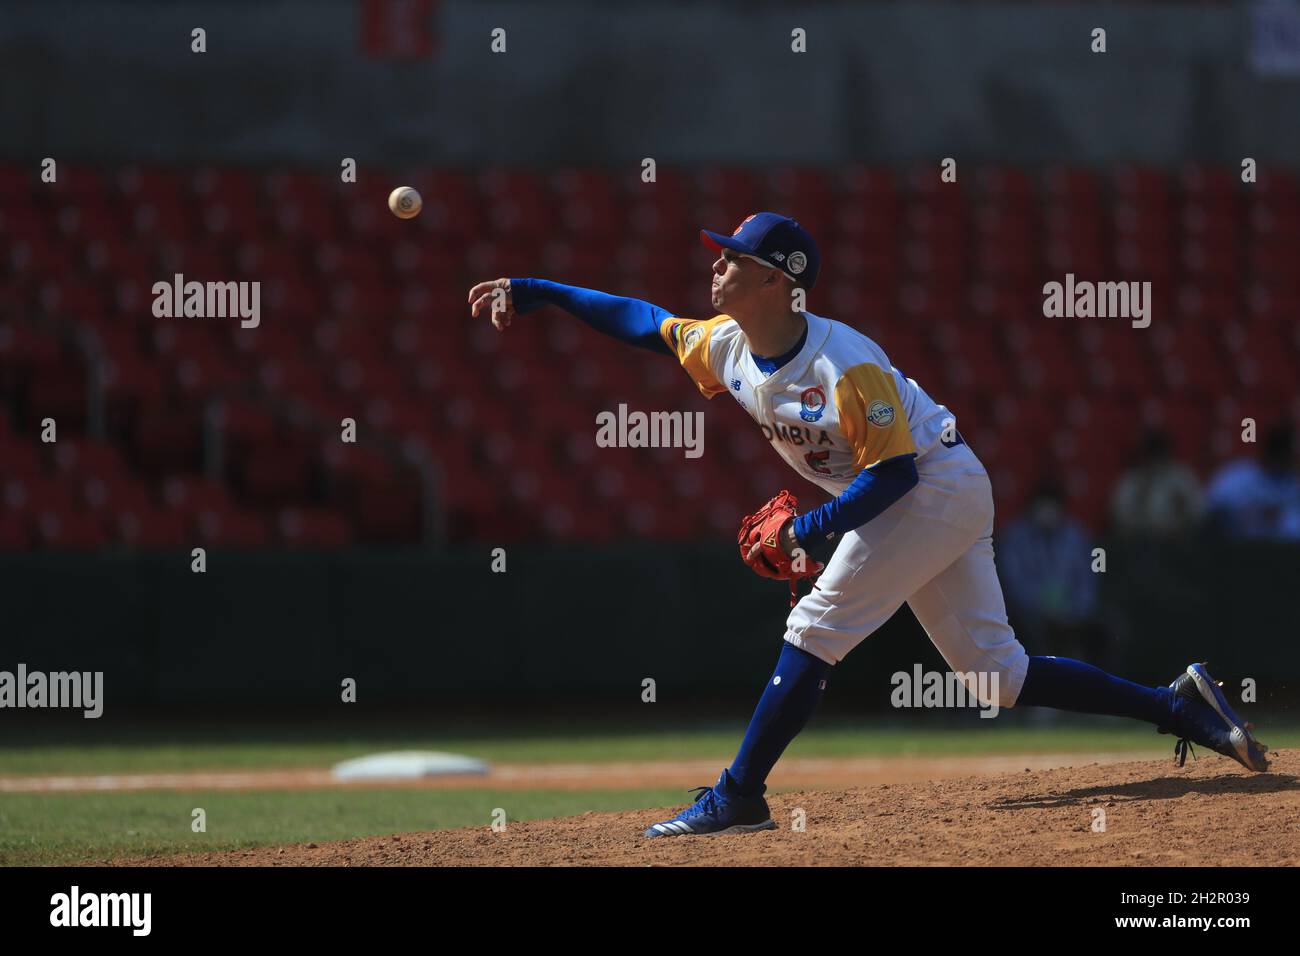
(769, 559)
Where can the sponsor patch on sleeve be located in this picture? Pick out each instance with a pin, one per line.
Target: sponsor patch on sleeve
(880, 414)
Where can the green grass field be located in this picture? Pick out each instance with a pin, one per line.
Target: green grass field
(45, 829)
(61, 829)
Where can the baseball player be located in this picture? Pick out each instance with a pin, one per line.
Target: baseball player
(911, 519)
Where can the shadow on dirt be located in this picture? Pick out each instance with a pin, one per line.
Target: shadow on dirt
(1161, 788)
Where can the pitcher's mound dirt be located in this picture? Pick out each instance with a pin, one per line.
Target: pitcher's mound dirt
(1149, 813)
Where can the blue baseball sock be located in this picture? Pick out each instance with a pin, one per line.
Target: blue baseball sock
(1068, 684)
(791, 696)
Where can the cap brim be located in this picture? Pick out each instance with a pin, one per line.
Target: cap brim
(717, 242)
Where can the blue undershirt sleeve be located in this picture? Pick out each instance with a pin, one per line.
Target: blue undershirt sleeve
(874, 490)
(629, 320)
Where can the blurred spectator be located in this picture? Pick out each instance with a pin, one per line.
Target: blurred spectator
(1045, 565)
(1259, 497)
(1157, 497)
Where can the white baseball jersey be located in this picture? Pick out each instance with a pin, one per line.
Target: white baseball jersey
(834, 409)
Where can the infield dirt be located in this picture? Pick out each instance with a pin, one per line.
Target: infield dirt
(1208, 813)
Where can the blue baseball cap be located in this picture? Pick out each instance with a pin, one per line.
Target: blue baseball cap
(778, 241)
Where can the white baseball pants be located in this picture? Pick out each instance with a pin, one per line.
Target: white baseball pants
(933, 549)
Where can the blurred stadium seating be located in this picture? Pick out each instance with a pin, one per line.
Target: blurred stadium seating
(181, 431)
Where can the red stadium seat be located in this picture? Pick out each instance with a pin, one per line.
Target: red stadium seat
(313, 528)
(232, 528)
(71, 530)
(142, 527)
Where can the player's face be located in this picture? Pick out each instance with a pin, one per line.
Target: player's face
(736, 281)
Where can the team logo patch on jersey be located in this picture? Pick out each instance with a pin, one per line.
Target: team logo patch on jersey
(693, 336)
(797, 262)
(817, 461)
(813, 403)
(880, 414)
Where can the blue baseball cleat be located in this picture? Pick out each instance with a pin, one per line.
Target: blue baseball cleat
(1201, 713)
(716, 810)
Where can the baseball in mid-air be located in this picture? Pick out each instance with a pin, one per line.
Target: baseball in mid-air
(405, 202)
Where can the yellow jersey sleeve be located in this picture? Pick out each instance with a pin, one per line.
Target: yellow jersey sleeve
(872, 416)
(689, 339)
